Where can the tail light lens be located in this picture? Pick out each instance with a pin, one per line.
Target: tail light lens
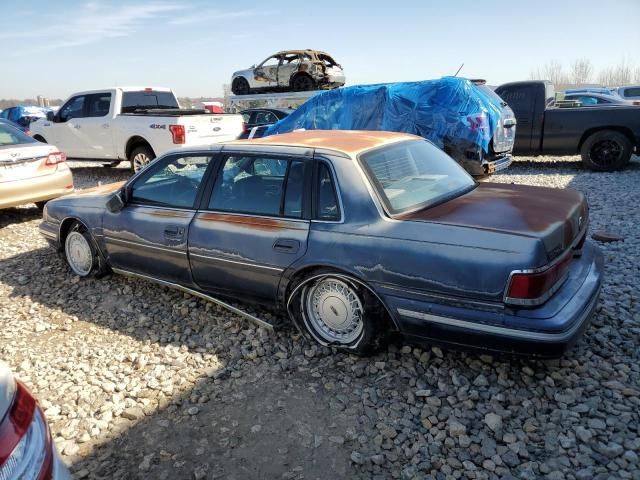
(25, 441)
(178, 133)
(55, 158)
(534, 287)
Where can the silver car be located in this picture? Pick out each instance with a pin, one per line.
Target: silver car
(297, 70)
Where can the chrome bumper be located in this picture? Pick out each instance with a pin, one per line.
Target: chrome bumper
(497, 165)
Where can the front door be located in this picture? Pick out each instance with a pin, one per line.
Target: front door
(265, 75)
(253, 227)
(94, 128)
(66, 131)
(149, 235)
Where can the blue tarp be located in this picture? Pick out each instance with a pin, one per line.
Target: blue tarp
(449, 109)
(20, 113)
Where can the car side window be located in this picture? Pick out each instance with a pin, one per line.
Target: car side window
(327, 207)
(271, 62)
(260, 185)
(175, 184)
(263, 117)
(74, 108)
(98, 104)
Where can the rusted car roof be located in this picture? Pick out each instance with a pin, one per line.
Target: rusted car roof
(350, 142)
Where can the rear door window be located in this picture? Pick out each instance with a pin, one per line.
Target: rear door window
(98, 104)
(327, 208)
(260, 185)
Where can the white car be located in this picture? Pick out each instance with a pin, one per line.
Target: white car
(131, 123)
(297, 70)
(630, 92)
(26, 448)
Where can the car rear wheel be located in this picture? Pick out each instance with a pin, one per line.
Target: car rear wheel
(606, 151)
(302, 83)
(240, 86)
(140, 157)
(337, 310)
(81, 253)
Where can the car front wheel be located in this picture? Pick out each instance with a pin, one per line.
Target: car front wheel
(81, 253)
(337, 310)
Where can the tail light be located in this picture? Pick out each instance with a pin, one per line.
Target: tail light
(25, 442)
(534, 287)
(178, 134)
(55, 158)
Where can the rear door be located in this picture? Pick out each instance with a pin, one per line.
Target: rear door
(149, 235)
(254, 224)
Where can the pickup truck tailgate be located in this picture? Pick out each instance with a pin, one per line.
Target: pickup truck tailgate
(204, 129)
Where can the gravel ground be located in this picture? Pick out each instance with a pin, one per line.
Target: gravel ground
(139, 381)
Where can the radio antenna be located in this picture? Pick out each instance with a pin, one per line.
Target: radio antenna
(456, 74)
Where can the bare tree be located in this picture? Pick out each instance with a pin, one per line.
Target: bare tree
(581, 71)
(621, 74)
(551, 71)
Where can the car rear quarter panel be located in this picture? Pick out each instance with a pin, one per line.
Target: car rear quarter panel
(409, 255)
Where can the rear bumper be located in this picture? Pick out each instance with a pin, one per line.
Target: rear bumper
(497, 164)
(36, 189)
(531, 332)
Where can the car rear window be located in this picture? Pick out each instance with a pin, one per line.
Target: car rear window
(414, 174)
(148, 99)
(12, 136)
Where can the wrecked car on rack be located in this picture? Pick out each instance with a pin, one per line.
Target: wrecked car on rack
(462, 117)
(296, 70)
(353, 235)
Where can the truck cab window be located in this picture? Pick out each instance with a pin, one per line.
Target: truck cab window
(98, 104)
(74, 108)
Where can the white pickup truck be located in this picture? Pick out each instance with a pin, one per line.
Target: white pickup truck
(131, 123)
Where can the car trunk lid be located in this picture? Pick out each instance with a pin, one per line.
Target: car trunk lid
(18, 162)
(555, 216)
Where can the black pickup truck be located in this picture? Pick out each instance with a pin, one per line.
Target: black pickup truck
(605, 136)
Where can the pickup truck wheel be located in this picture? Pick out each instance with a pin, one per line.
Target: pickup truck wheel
(606, 151)
(338, 311)
(140, 157)
(302, 83)
(240, 86)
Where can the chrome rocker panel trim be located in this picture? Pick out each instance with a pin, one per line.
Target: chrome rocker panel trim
(237, 311)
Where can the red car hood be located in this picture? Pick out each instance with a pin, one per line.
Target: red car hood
(555, 216)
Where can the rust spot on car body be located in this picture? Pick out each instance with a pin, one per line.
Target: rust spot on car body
(170, 213)
(259, 223)
(521, 209)
(99, 190)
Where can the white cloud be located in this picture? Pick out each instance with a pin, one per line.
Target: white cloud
(91, 23)
(214, 15)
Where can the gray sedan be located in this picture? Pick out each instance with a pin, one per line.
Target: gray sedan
(353, 235)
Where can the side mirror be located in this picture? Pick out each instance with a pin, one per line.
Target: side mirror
(51, 116)
(116, 202)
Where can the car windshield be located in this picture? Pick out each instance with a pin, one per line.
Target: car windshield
(414, 174)
(12, 136)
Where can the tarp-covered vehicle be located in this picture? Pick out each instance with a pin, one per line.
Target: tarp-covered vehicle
(24, 115)
(462, 117)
